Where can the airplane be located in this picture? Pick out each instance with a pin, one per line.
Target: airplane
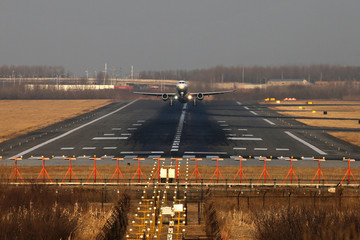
(182, 94)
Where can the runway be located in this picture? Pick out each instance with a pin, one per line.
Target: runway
(146, 128)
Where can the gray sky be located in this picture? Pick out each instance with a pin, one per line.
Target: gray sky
(185, 34)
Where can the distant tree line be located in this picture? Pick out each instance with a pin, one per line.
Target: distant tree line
(32, 71)
(260, 74)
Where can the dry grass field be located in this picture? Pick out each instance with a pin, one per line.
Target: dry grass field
(335, 109)
(19, 117)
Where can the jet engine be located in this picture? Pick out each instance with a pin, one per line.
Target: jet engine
(200, 96)
(165, 97)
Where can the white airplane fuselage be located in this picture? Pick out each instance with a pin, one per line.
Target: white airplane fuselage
(182, 92)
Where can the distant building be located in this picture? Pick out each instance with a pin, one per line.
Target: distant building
(287, 82)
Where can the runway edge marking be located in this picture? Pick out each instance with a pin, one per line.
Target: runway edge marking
(306, 143)
(71, 131)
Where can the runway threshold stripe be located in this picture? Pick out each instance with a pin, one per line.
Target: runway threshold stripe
(306, 143)
(71, 131)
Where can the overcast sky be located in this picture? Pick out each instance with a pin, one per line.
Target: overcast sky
(185, 34)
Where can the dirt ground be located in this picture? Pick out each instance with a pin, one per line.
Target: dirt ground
(20, 117)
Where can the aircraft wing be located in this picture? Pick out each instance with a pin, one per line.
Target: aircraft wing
(212, 93)
(154, 94)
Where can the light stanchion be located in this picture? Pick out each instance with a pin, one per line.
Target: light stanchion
(196, 170)
(240, 172)
(265, 173)
(177, 171)
(70, 171)
(16, 170)
(217, 171)
(319, 171)
(117, 170)
(43, 170)
(157, 173)
(291, 171)
(94, 171)
(138, 170)
(348, 173)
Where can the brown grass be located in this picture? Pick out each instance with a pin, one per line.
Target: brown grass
(343, 111)
(23, 116)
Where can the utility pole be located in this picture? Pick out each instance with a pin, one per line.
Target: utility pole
(132, 72)
(243, 74)
(105, 72)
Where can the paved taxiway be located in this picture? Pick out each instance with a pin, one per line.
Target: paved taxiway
(146, 128)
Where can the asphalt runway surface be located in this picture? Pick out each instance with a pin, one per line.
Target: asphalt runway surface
(150, 129)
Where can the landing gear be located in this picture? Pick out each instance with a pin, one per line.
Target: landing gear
(194, 102)
(171, 103)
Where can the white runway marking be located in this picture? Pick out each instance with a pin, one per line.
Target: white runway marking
(109, 138)
(247, 135)
(126, 134)
(260, 149)
(268, 121)
(141, 121)
(306, 143)
(242, 129)
(136, 124)
(220, 153)
(116, 129)
(239, 103)
(246, 108)
(227, 129)
(239, 148)
(109, 134)
(110, 148)
(176, 142)
(244, 139)
(71, 131)
(282, 149)
(132, 129)
(254, 113)
(89, 148)
(67, 148)
(221, 121)
(230, 134)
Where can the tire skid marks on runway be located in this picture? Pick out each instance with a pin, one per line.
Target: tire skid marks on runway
(177, 138)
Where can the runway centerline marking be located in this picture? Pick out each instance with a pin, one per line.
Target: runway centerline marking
(177, 138)
(71, 131)
(306, 143)
(246, 108)
(239, 103)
